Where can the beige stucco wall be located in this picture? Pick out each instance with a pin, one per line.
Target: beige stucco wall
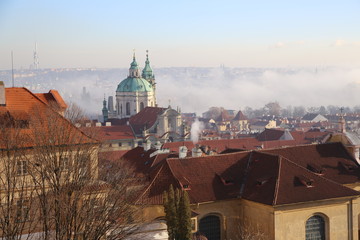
(285, 222)
(289, 221)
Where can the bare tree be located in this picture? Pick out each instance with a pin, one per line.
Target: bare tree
(74, 202)
(16, 192)
(247, 231)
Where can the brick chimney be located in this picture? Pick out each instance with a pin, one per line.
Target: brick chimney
(2, 94)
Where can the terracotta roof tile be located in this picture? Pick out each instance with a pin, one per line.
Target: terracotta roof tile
(116, 132)
(22, 104)
(272, 177)
(145, 119)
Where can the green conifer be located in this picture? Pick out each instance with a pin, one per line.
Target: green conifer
(184, 215)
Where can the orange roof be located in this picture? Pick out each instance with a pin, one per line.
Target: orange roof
(116, 132)
(51, 97)
(23, 105)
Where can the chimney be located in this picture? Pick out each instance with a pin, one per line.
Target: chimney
(196, 151)
(98, 124)
(182, 151)
(2, 94)
(108, 124)
(147, 145)
(158, 145)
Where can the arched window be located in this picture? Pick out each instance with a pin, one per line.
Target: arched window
(315, 228)
(141, 106)
(121, 109)
(210, 227)
(127, 108)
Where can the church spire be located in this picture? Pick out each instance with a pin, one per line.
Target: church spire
(342, 123)
(134, 70)
(147, 72)
(105, 111)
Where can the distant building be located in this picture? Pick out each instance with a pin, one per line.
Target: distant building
(313, 117)
(137, 91)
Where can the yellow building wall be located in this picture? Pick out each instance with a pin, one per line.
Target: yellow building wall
(276, 223)
(258, 218)
(290, 220)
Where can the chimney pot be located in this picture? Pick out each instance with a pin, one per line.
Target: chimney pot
(2, 94)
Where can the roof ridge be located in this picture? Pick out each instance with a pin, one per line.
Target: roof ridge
(152, 182)
(172, 172)
(276, 193)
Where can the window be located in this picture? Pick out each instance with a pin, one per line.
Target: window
(21, 167)
(127, 108)
(64, 163)
(210, 227)
(22, 210)
(141, 106)
(315, 228)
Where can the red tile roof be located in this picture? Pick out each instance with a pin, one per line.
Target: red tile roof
(272, 177)
(52, 97)
(145, 119)
(21, 104)
(116, 132)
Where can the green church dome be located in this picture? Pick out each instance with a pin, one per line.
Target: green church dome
(134, 84)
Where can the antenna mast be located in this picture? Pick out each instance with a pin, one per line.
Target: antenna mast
(12, 68)
(36, 58)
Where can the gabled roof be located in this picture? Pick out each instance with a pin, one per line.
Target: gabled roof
(271, 134)
(145, 119)
(256, 176)
(223, 117)
(52, 97)
(272, 177)
(337, 163)
(21, 104)
(116, 132)
(275, 180)
(240, 116)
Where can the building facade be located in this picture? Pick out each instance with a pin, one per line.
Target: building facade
(137, 91)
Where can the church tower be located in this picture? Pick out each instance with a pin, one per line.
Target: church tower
(105, 111)
(135, 92)
(147, 73)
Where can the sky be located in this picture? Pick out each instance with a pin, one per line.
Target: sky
(188, 33)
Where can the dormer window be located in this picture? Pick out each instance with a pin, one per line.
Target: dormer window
(348, 167)
(307, 182)
(261, 181)
(315, 168)
(186, 186)
(226, 180)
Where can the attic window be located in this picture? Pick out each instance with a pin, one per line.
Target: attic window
(226, 180)
(186, 187)
(315, 168)
(307, 182)
(348, 167)
(261, 181)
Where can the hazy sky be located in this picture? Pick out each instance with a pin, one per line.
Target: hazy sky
(181, 33)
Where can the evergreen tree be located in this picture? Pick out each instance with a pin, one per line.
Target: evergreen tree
(170, 212)
(184, 216)
(177, 214)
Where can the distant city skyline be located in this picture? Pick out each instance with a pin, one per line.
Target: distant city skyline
(199, 33)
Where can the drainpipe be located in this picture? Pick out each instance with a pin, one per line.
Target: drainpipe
(350, 219)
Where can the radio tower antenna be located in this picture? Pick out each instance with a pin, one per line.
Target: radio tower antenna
(36, 58)
(12, 68)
